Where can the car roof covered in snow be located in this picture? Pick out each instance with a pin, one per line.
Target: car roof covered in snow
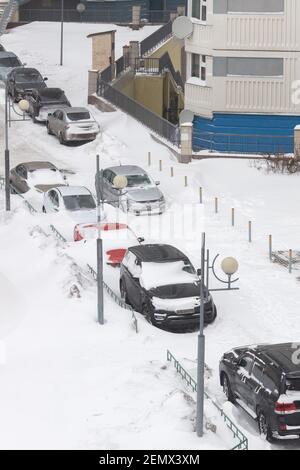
(33, 166)
(127, 170)
(281, 355)
(157, 253)
(73, 190)
(23, 70)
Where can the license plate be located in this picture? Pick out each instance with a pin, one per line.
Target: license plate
(186, 312)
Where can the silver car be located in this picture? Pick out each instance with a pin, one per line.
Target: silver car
(8, 61)
(72, 124)
(141, 195)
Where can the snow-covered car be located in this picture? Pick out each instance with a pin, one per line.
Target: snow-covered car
(8, 61)
(140, 196)
(22, 80)
(159, 281)
(117, 238)
(44, 101)
(40, 176)
(75, 201)
(265, 381)
(72, 125)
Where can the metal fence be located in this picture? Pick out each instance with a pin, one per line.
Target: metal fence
(156, 65)
(242, 143)
(156, 38)
(157, 124)
(190, 381)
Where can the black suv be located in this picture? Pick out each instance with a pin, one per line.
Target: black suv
(160, 282)
(265, 381)
(45, 101)
(24, 79)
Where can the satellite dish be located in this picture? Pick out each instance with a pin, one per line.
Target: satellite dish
(80, 7)
(186, 116)
(182, 27)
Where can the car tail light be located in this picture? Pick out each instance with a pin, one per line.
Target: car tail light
(77, 235)
(285, 408)
(115, 257)
(282, 427)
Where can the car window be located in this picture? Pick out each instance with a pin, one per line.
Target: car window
(78, 202)
(9, 62)
(137, 180)
(271, 381)
(28, 76)
(51, 195)
(84, 115)
(21, 171)
(55, 200)
(246, 363)
(106, 174)
(257, 373)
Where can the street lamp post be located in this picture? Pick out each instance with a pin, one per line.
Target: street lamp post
(119, 182)
(23, 105)
(229, 267)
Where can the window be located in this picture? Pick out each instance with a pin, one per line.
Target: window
(246, 363)
(271, 381)
(199, 66)
(199, 9)
(21, 171)
(257, 373)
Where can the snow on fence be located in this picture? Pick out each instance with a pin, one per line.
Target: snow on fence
(190, 381)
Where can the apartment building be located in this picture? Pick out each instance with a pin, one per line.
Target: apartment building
(243, 72)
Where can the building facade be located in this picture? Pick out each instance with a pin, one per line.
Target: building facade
(243, 72)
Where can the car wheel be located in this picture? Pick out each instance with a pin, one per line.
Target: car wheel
(148, 315)
(227, 389)
(264, 427)
(123, 292)
(49, 129)
(61, 139)
(213, 316)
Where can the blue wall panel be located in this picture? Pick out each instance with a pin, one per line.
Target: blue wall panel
(245, 133)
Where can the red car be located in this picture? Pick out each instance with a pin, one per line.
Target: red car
(116, 238)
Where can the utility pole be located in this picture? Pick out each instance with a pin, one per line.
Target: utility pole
(99, 246)
(6, 154)
(62, 32)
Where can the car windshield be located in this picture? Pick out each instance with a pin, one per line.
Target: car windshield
(177, 291)
(293, 384)
(83, 116)
(28, 77)
(137, 180)
(9, 62)
(54, 94)
(78, 202)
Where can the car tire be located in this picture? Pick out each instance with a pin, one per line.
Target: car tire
(48, 129)
(44, 210)
(213, 317)
(227, 388)
(61, 139)
(148, 315)
(264, 427)
(123, 293)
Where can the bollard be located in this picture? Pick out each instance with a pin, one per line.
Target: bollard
(200, 195)
(160, 165)
(232, 217)
(290, 261)
(216, 205)
(185, 181)
(172, 172)
(149, 158)
(250, 231)
(270, 247)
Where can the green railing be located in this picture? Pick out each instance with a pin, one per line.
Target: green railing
(58, 234)
(191, 382)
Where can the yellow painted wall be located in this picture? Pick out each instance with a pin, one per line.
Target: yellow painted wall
(173, 47)
(149, 92)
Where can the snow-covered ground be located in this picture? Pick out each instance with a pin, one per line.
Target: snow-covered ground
(66, 382)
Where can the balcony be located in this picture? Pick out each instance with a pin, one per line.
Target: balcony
(198, 98)
(201, 39)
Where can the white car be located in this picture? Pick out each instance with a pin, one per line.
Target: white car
(75, 201)
(72, 125)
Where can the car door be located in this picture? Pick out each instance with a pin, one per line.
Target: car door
(255, 384)
(242, 385)
(132, 282)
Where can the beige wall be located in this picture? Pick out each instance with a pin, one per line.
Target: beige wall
(173, 47)
(102, 51)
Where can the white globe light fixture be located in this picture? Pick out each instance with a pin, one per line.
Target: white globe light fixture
(23, 105)
(230, 266)
(80, 8)
(120, 182)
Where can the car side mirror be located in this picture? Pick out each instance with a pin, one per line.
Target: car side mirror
(141, 239)
(45, 79)
(24, 65)
(199, 272)
(157, 183)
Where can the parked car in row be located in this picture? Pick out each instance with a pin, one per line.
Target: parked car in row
(140, 196)
(76, 201)
(22, 80)
(159, 281)
(40, 176)
(265, 381)
(117, 238)
(44, 101)
(8, 61)
(72, 124)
